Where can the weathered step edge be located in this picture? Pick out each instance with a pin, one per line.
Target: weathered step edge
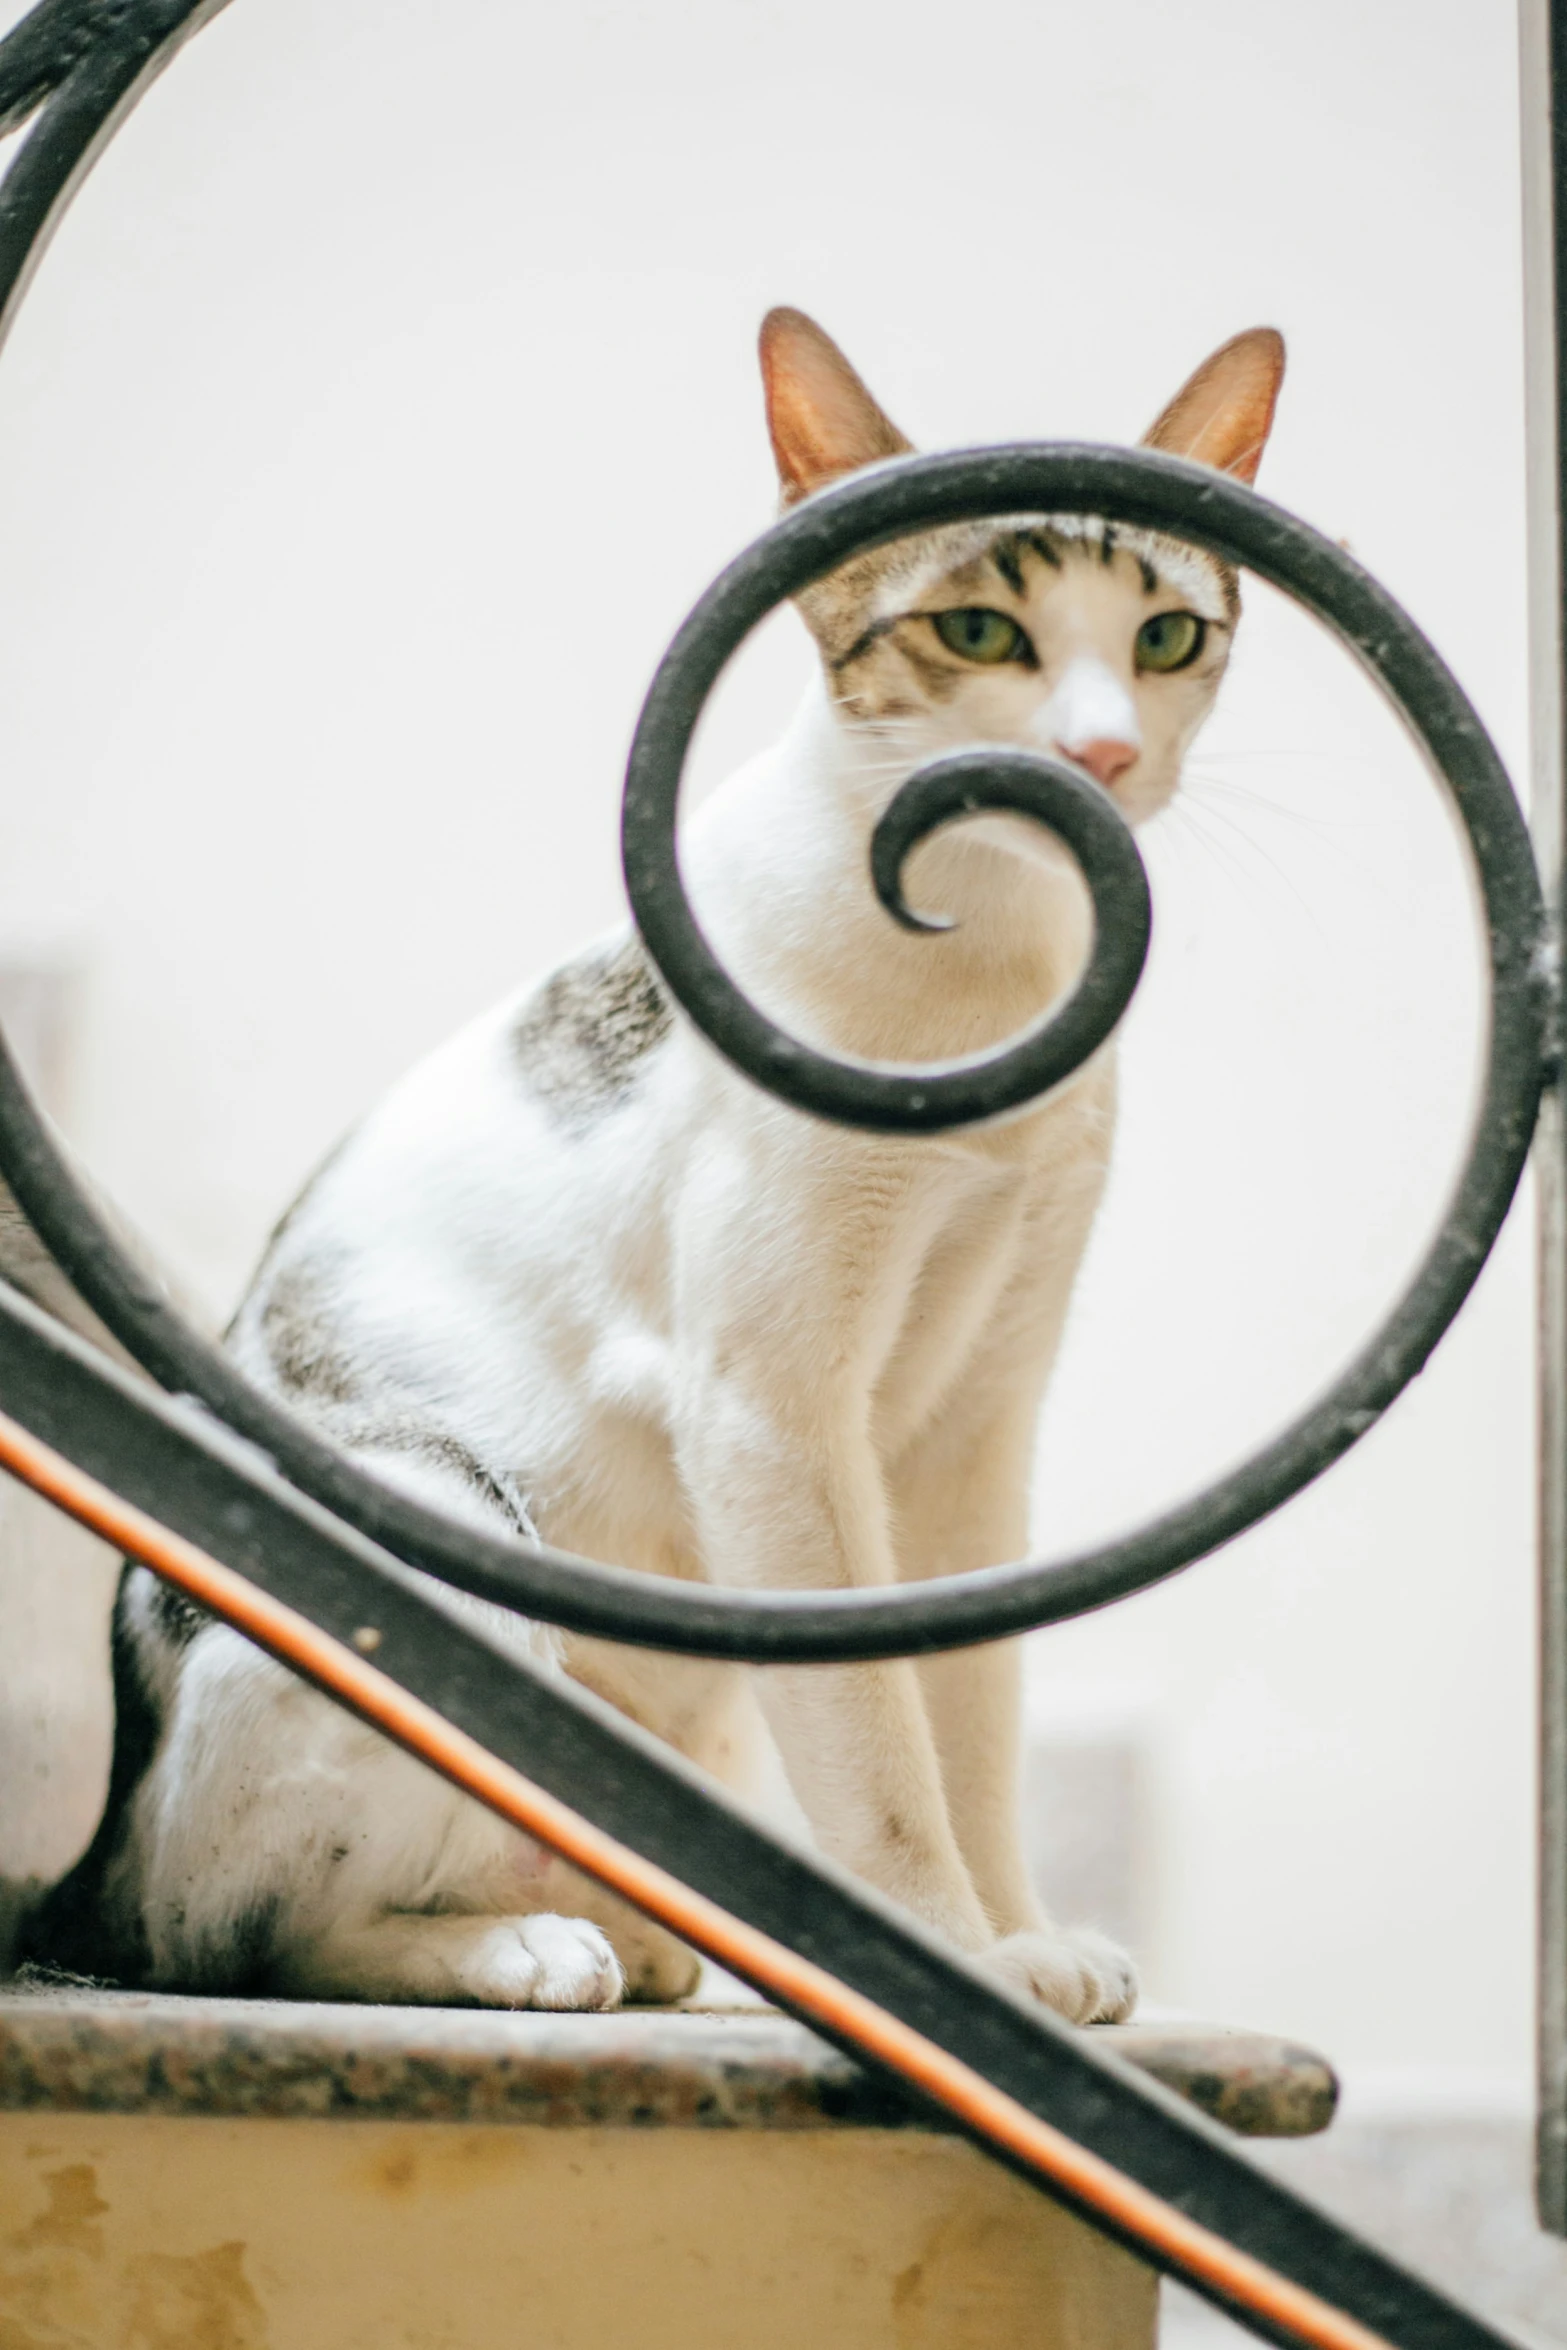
(92, 2051)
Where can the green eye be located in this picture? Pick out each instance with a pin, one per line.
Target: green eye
(981, 635)
(1170, 640)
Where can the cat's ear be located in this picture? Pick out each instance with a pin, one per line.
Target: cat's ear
(822, 420)
(1223, 416)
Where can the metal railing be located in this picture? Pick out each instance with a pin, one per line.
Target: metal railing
(246, 1508)
(1543, 76)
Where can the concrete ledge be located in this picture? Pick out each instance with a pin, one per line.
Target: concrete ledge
(1257, 2085)
(262, 2175)
(90, 2051)
(159, 2232)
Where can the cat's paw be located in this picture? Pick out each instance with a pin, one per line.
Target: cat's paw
(1083, 1975)
(540, 1962)
(658, 1969)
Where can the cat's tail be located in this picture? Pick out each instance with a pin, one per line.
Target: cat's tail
(23, 1904)
(19, 1897)
(57, 1935)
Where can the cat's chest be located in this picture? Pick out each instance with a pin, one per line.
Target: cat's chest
(988, 1283)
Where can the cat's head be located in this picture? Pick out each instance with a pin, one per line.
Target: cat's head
(1062, 632)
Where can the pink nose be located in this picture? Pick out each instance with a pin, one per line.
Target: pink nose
(1107, 758)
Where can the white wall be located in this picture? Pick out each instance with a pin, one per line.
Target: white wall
(385, 400)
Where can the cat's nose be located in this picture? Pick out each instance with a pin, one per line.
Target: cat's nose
(1107, 758)
(1092, 719)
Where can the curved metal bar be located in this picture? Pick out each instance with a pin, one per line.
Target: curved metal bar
(912, 495)
(129, 45)
(991, 1602)
(904, 1099)
(183, 1480)
(38, 54)
(52, 40)
(97, 58)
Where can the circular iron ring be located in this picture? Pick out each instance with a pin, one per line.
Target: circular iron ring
(97, 58)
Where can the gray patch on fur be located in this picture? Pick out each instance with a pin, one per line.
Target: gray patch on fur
(425, 1441)
(354, 1407)
(320, 1367)
(581, 1040)
(304, 1339)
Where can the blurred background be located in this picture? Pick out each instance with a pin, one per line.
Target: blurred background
(387, 397)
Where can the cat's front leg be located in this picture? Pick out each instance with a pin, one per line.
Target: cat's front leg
(960, 1502)
(1082, 1974)
(795, 1499)
(794, 1289)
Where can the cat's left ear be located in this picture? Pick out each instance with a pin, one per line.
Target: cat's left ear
(1223, 416)
(823, 421)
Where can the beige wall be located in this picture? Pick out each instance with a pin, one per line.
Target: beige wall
(121, 2233)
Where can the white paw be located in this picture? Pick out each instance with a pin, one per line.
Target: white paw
(1083, 1975)
(540, 1962)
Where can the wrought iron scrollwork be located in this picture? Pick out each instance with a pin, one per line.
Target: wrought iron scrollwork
(158, 1476)
(901, 1100)
(94, 55)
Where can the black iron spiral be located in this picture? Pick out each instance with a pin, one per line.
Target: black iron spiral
(95, 55)
(1155, 492)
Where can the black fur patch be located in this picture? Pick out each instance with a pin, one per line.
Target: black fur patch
(1004, 555)
(939, 680)
(581, 1040)
(236, 1961)
(177, 1618)
(865, 642)
(71, 1931)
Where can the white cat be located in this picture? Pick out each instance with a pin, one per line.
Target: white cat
(576, 1275)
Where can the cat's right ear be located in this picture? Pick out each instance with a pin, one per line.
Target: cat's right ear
(823, 421)
(1223, 416)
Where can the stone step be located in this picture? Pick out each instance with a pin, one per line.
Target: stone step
(262, 2175)
(737, 2067)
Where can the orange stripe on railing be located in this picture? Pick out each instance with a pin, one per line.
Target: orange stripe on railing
(1094, 2183)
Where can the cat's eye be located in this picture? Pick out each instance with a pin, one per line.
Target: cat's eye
(1170, 640)
(979, 634)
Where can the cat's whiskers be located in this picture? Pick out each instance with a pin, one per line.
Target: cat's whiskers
(1323, 832)
(1230, 787)
(1208, 825)
(1181, 818)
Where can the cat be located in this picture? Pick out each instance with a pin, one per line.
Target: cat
(576, 1276)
